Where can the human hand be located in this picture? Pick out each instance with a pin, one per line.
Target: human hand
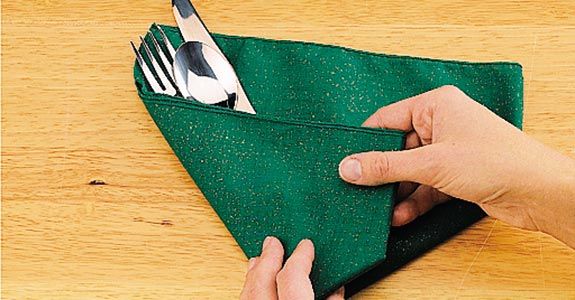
(268, 278)
(458, 148)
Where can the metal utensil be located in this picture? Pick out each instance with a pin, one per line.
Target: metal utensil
(165, 84)
(201, 73)
(200, 62)
(196, 65)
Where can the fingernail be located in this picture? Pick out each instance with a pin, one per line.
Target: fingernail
(267, 241)
(350, 169)
(251, 263)
(304, 241)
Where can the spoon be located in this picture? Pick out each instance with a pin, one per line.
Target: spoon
(200, 59)
(203, 74)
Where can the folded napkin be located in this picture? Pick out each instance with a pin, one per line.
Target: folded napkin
(276, 172)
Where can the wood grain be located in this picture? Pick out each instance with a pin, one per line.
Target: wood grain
(70, 115)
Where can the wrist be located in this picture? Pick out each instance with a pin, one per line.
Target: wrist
(554, 209)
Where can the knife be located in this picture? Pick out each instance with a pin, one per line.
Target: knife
(194, 29)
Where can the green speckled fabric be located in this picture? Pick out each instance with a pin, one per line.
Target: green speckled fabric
(275, 173)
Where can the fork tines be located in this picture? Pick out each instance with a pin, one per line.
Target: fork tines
(161, 70)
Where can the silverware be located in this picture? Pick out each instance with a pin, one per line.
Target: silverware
(201, 73)
(196, 71)
(164, 85)
(159, 75)
(197, 66)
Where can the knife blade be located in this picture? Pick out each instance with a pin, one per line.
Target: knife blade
(194, 29)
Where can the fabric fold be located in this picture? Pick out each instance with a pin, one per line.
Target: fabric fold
(275, 173)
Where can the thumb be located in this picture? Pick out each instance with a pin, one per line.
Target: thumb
(375, 168)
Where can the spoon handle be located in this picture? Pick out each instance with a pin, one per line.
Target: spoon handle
(193, 29)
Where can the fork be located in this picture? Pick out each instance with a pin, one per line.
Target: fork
(160, 69)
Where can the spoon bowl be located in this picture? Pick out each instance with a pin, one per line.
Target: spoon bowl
(201, 73)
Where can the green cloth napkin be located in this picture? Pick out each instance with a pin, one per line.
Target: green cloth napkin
(276, 172)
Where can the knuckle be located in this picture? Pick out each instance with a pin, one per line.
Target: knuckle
(435, 165)
(270, 260)
(258, 272)
(450, 93)
(450, 90)
(423, 122)
(266, 257)
(379, 117)
(252, 276)
(422, 116)
(381, 165)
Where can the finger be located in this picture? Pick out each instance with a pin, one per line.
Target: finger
(293, 280)
(252, 262)
(301, 259)
(405, 189)
(260, 279)
(412, 140)
(394, 116)
(405, 114)
(417, 204)
(419, 165)
(338, 295)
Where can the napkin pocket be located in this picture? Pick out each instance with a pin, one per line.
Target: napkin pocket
(276, 172)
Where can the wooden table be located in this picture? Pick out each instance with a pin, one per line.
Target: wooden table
(71, 116)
